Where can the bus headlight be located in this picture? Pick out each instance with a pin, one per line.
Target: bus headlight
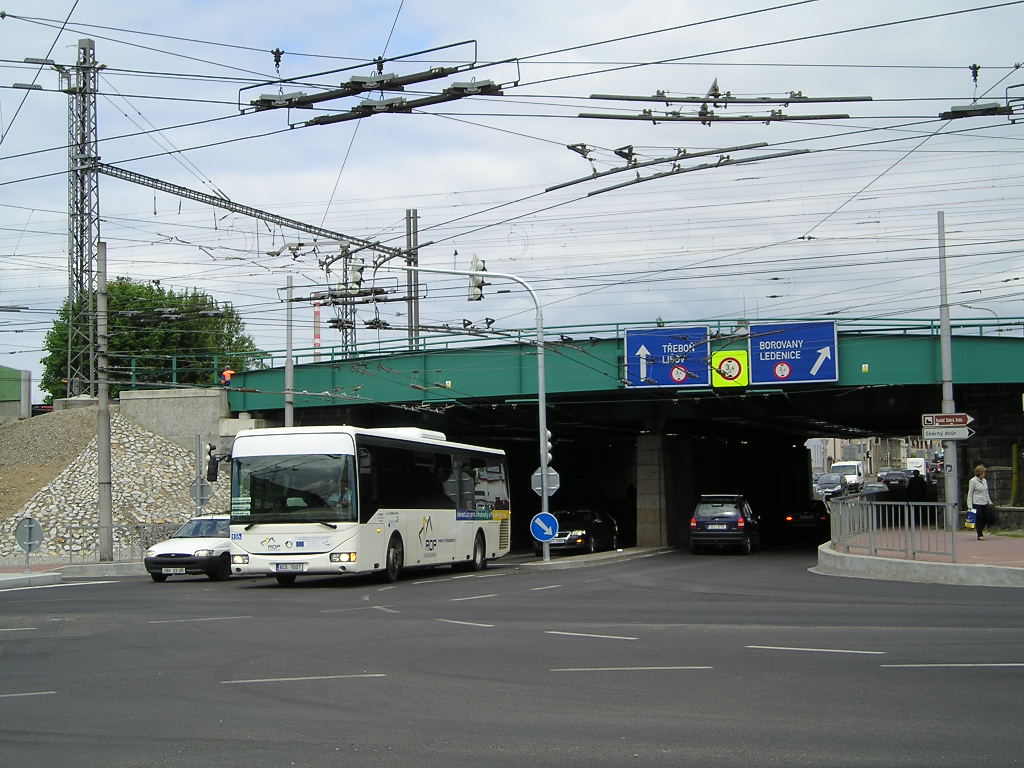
(240, 559)
(343, 557)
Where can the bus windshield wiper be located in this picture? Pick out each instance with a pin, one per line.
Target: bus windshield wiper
(286, 519)
(309, 520)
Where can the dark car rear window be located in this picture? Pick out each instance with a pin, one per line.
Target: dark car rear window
(717, 509)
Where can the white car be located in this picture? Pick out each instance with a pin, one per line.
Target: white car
(200, 546)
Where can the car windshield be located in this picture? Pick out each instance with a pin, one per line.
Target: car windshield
(203, 529)
(717, 509)
(830, 480)
(575, 519)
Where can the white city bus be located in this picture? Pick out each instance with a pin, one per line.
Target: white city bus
(341, 500)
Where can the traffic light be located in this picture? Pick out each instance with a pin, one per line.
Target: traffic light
(476, 282)
(547, 433)
(211, 463)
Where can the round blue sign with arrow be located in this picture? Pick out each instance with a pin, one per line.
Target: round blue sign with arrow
(544, 526)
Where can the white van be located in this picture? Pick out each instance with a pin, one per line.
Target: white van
(853, 471)
(921, 465)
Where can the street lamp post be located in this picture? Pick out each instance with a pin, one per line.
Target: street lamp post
(950, 458)
(542, 424)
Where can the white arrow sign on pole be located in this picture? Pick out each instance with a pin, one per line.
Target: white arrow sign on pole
(825, 353)
(643, 354)
(946, 433)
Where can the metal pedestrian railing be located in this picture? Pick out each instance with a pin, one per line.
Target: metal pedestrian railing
(909, 529)
(81, 543)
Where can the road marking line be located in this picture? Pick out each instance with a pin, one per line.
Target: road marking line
(550, 586)
(52, 586)
(17, 629)
(30, 693)
(465, 623)
(625, 669)
(814, 650)
(385, 609)
(474, 597)
(362, 608)
(993, 664)
(584, 634)
(182, 621)
(298, 679)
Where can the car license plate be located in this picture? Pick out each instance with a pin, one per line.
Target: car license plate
(289, 566)
(717, 527)
(558, 541)
(172, 570)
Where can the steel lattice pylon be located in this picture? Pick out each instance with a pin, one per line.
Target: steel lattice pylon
(83, 219)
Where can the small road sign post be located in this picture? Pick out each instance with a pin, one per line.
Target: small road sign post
(544, 527)
(28, 535)
(946, 433)
(553, 480)
(200, 491)
(946, 420)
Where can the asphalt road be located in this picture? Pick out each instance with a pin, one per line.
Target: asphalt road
(673, 659)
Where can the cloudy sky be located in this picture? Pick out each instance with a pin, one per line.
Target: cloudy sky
(845, 226)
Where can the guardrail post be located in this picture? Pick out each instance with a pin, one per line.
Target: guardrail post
(908, 531)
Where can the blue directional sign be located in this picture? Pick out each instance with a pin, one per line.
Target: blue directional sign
(544, 526)
(667, 357)
(793, 353)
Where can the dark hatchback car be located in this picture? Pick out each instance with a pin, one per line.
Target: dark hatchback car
(724, 520)
(829, 485)
(813, 514)
(895, 480)
(583, 530)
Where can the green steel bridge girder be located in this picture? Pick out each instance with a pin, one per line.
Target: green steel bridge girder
(508, 372)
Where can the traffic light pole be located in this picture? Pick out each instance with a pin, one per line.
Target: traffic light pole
(542, 405)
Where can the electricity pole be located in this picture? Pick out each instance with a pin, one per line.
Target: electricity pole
(79, 82)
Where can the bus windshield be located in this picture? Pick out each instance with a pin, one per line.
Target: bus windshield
(310, 488)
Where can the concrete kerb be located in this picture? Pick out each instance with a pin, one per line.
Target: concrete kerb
(834, 563)
(57, 574)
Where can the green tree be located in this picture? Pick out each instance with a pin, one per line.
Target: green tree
(157, 336)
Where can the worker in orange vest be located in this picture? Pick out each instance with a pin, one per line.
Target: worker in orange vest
(225, 377)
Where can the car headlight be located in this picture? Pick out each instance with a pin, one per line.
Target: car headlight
(203, 553)
(578, 533)
(150, 553)
(240, 559)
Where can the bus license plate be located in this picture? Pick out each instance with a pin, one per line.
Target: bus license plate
(717, 527)
(172, 570)
(289, 566)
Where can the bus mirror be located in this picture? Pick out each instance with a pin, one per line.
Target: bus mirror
(211, 469)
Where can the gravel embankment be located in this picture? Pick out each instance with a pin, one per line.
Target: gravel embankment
(48, 471)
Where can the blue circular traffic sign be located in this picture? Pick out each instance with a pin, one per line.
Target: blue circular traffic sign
(544, 526)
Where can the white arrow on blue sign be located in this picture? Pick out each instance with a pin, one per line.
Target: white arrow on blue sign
(544, 526)
(793, 353)
(667, 357)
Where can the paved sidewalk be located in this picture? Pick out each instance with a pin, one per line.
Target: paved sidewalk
(996, 561)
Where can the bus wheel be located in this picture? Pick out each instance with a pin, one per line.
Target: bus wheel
(285, 579)
(479, 561)
(395, 558)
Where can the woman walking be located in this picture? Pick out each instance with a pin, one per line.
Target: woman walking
(978, 498)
